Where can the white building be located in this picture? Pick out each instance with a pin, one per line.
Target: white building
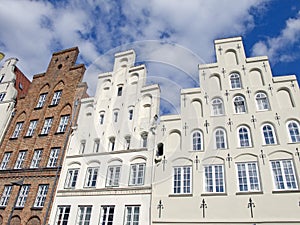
(231, 156)
(106, 176)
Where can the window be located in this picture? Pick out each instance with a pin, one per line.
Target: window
(82, 147)
(63, 124)
(62, 215)
(41, 100)
(130, 114)
(247, 175)
(31, 128)
(197, 141)
(1, 79)
(239, 104)
(262, 102)
(120, 90)
(235, 81)
(22, 197)
(41, 195)
(5, 160)
(2, 95)
(116, 116)
(101, 120)
(137, 173)
(132, 216)
(71, 178)
(217, 107)
(220, 139)
(37, 155)
(47, 126)
(56, 98)
(5, 195)
(20, 160)
(182, 180)
(244, 137)
(127, 142)
(144, 137)
(84, 215)
(111, 146)
(214, 178)
(269, 134)
(53, 157)
(283, 174)
(91, 177)
(113, 176)
(107, 215)
(293, 129)
(96, 145)
(17, 130)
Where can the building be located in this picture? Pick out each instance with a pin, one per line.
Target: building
(231, 156)
(107, 173)
(33, 147)
(13, 84)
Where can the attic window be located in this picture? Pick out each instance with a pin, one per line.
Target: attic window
(21, 86)
(59, 66)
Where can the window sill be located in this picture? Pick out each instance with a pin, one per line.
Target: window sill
(249, 193)
(286, 191)
(266, 145)
(36, 208)
(214, 193)
(244, 147)
(292, 143)
(181, 195)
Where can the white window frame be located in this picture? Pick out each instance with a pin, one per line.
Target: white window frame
(31, 128)
(107, 214)
(41, 195)
(132, 215)
(91, 177)
(262, 101)
(47, 126)
(71, 178)
(113, 176)
(217, 107)
(22, 196)
(18, 129)
(130, 114)
(127, 142)
(56, 98)
(36, 158)
(101, 118)
(244, 135)
(235, 81)
(41, 100)
(20, 159)
(96, 145)
(2, 96)
(5, 195)
(216, 182)
(294, 131)
(144, 140)
(239, 104)
(268, 137)
(63, 123)
(116, 115)
(53, 157)
(197, 141)
(247, 177)
(5, 160)
(82, 147)
(218, 138)
(84, 215)
(112, 144)
(137, 174)
(182, 179)
(62, 214)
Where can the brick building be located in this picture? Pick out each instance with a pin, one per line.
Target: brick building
(33, 147)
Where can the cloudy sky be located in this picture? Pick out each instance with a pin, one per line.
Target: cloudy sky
(170, 36)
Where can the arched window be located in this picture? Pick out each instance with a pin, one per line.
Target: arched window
(269, 134)
(220, 139)
(293, 129)
(239, 104)
(217, 107)
(235, 81)
(262, 102)
(197, 141)
(244, 136)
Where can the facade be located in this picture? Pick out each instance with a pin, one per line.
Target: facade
(33, 146)
(231, 156)
(13, 84)
(107, 173)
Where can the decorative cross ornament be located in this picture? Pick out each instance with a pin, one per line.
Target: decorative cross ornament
(184, 99)
(270, 89)
(293, 85)
(203, 206)
(253, 120)
(203, 74)
(163, 129)
(297, 153)
(226, 94)
(248, 91)
(164, 162)
(277, 117)
(244, 69)
(185, 127)
(229, 123)
(160, 206)
(197, 161)
(262, 156)
(238, 47)
(206, 124)
(206, 98)
(251, 205)
(265, 66)
(223, 71)
(220, 50)
(228, 159)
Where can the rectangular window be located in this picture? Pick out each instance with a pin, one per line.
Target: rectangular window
(120, 89)
(5, 195)
(2, 95)
(82, 147)
(115, 117)
(20, 160)
(137, 173)
(41, 100)
(96, 146)
(1, 79)
(56, 98)
(52, 162)
(63, 124)
(182, 180)
(144, 140)
(62, 215)
(37, 156)
(17, 130)
(127, 142)
(284, 174)
(130, 114)
(214, 178)
(113, 176)
(107, 215)
(84, 215)
(22, 197)
(111, 146)
(31, 128)
(47, 126)
(132, 215)
(5, 160)
(101, 120)
(91, 177)
(41, 195)
(71, 178)
(247, 174)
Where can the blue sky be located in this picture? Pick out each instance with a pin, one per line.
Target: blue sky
(170, 36)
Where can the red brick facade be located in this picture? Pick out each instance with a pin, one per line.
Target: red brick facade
(62, 81)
